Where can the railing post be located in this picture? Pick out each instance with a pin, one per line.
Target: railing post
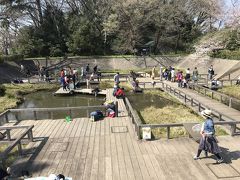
(168, 132)
(205, 92)
(137, 128)
(116, 108)
(6, 117)
(212, 94)
(35, 115)
(191, 101)
(8, 134)
(231, 82)
(30, 135)
(185, 98)
(19, 148)
(230, 102)
(233, 129)
(199, 107)
(221, 98)
(220, 117)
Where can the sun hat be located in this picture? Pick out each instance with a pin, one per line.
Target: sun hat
(207, 113)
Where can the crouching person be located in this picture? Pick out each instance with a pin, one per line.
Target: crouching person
(110, 109)
(96, 115)
(120, 93)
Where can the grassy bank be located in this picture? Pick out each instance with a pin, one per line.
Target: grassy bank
(14, 93)
(233, 91)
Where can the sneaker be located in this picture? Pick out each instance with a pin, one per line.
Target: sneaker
(219, 160)
(196, 157)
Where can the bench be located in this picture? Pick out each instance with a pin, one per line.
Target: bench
(193, 134)
(16, 142)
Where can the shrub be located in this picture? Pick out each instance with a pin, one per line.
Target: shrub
(2, 90)
(17, 57)
(226, 54)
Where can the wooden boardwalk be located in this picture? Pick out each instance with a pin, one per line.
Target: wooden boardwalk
(109, 149)
(60, 91)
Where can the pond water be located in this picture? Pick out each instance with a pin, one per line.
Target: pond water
(43, 99)
(140, 101)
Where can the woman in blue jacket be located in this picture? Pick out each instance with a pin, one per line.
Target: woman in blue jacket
(208, 142)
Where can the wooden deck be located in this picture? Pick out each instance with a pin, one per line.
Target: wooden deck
(109, 149)
(60, 91)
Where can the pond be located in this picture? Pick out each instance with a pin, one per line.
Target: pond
(140, 101)
(43, 99)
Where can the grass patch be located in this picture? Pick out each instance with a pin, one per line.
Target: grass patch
(12, 156)
(233, 91)
(14, 93)
(167, 115)
(171, 113)
(105, 84)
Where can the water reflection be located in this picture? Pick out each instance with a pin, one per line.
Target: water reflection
(48, 100)
(143, 100)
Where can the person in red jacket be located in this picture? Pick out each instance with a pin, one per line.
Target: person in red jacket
(120, 93)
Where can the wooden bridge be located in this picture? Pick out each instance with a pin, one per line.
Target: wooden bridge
(110, 149)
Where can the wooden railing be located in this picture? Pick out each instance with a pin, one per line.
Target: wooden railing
(222, 119)
(4, 117)
(134, 116)
(223, 98)
(16, 142)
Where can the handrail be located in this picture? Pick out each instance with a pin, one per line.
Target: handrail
(55, 109)
(181, 94)
(221, 95)
(135, 118)
(17, 142)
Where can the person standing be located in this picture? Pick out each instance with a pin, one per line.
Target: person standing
(188, 76)
(179, 78)
(95, 68)
(116, 79)
(208, 142)
(210, 72)
(153, 72)
(195, 75)
(173, 75)
(87, 69)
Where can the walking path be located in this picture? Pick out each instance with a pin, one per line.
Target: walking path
(109, 149)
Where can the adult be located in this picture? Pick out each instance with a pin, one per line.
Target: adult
(179, 78)
(173, 75)
(187, 77)
(95, 69)
(153, 72)
(238, 81)
(210, 72)
(74, 77)
(116, 78)
(195, 75)
(66, 83)
(120, 93)
(208, 142)
(87, 68)
(22, 68)
(62, 75)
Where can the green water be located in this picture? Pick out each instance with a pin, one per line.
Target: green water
(45, 99)
(140, 101)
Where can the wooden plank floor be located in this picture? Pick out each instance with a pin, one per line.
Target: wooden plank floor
(109, 149)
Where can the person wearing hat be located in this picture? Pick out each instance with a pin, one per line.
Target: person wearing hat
(208, 142)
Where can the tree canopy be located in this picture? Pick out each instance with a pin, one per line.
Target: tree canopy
(83, 27)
